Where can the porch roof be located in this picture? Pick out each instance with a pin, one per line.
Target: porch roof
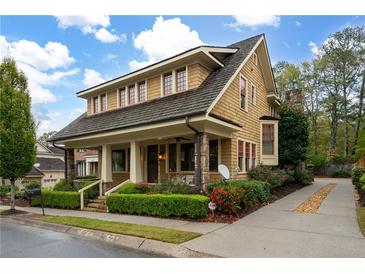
(189, 103)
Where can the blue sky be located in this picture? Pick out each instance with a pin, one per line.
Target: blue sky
(62, 55)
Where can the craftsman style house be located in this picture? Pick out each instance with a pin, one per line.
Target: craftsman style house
(180, 118)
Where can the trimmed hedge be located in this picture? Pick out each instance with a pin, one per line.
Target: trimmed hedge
(58, 199)
(163, 205)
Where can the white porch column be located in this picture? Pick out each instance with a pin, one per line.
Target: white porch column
(136, 171)
(106, 164)
(87, 167)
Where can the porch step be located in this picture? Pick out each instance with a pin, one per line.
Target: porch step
(98, 200)
(91, 209)
(97, 205)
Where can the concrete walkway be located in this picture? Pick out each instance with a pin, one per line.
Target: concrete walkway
(276, 231)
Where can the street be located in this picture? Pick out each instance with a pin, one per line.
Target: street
(20, 241)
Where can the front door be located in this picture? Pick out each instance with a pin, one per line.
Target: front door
(152, 163)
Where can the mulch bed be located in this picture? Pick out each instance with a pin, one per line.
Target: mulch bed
(18, 202)
(12, 212)
(312, 204)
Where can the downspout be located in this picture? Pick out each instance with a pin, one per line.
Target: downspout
(65, 157)
(198, 173)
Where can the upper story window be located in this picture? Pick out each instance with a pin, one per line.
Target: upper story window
(243, 93)
(253, 94)
(268, 139)
(254, 58)
(122, 100)
(95, 104)
(167, 83)
(131, 95)
(181, 80)
(142, 92)
(103, 102)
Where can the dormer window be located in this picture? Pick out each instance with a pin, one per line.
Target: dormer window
(181, 80)
(95, 104)
(131, 95)
(122, 97)
(103, 102)
(142, 96)
(167, 83)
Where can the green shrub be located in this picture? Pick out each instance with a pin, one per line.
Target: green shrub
(166, 187)
(254, 191)
(275, 180)
(317, 160)
(91, 192)
(356, 174)
(303, 176)
(132, 188)
(33, 185)
(163, 205)
(260, 173)
(341, 172)
(64, 185)
(87, 177)
(58, 199)
(227, 200)
(4, 189)
(287, 175)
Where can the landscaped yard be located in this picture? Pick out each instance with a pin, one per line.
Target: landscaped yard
(144, 231)
(361, 218)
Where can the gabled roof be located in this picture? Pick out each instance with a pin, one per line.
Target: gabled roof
(54, 164)
(179, 105)
(35, 172)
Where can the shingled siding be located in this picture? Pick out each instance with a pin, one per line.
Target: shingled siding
(154, 87)
(196, 75)
(229, 107)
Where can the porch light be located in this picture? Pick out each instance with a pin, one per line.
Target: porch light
(161, 156)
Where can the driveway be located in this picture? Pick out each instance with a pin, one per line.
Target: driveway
(277, 231)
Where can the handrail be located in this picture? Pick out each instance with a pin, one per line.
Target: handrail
(81, 191)
(110, 191)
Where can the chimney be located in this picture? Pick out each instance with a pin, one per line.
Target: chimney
(294, 96)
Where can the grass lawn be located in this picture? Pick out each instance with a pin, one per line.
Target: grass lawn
(144, 231)
(361, 218)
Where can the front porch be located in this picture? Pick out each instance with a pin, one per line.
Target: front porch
(189, 151)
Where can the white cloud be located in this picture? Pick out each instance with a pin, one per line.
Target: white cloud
(254, 21)
(105, 36)
(164, 39)
(92, 78)
(92, 24)
(35, 61)
(297, 23)
(109, 57)
(313, 47)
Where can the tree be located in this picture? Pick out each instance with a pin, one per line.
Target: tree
(293, 135)
(45, 136)
(285, 74)
(17, 129)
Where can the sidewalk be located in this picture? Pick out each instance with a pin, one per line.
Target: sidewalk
(199, 227)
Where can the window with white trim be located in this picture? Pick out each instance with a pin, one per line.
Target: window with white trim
(167, 83)
(131, 95)
(103, 102)
(142, 93)
(95, 104)
(243, 93)
(268, 138)
(246, 155)
(253, 94)
(253, 155)
(240, 155)
(181, 80)
(122, 97)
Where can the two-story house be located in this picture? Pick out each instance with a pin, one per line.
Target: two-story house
(182, 116)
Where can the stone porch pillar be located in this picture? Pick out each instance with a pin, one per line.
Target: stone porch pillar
(106, 164)
(70, 164)
(204, 160)
(135, 169)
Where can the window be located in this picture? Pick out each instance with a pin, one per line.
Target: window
(118, 160)
(181, 80)
(131, 95)
(240, 155)
(213, 155)
(142, 91)
(96, 104)
(253, 156)
(267, 139)
(103, 102)
(247, 156)
(253, 94)
(172, 157)
(122, 97)
(254, 58)
(167, 83)
(187, 157)
(243, 96)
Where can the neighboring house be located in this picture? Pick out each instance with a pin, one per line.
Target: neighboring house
(182, 117)
(86, 161)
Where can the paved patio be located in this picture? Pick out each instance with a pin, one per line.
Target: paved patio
(277, 231)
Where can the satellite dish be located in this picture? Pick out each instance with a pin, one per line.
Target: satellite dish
(224, 171)
(37, 165)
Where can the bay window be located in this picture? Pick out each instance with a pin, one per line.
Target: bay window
(268, 139)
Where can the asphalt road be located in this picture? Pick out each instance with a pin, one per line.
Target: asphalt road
(20, 241)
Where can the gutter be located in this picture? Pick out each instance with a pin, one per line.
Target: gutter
(65, 156)
(198, 173)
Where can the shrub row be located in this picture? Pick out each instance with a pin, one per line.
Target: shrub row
(58, 199)
(163, 187)
(341, 173)
(163, 205)
(356, 174)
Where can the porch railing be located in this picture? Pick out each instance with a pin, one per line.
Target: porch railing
(82, 190)
(110, 191)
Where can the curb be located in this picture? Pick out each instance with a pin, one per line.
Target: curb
(131, 242)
